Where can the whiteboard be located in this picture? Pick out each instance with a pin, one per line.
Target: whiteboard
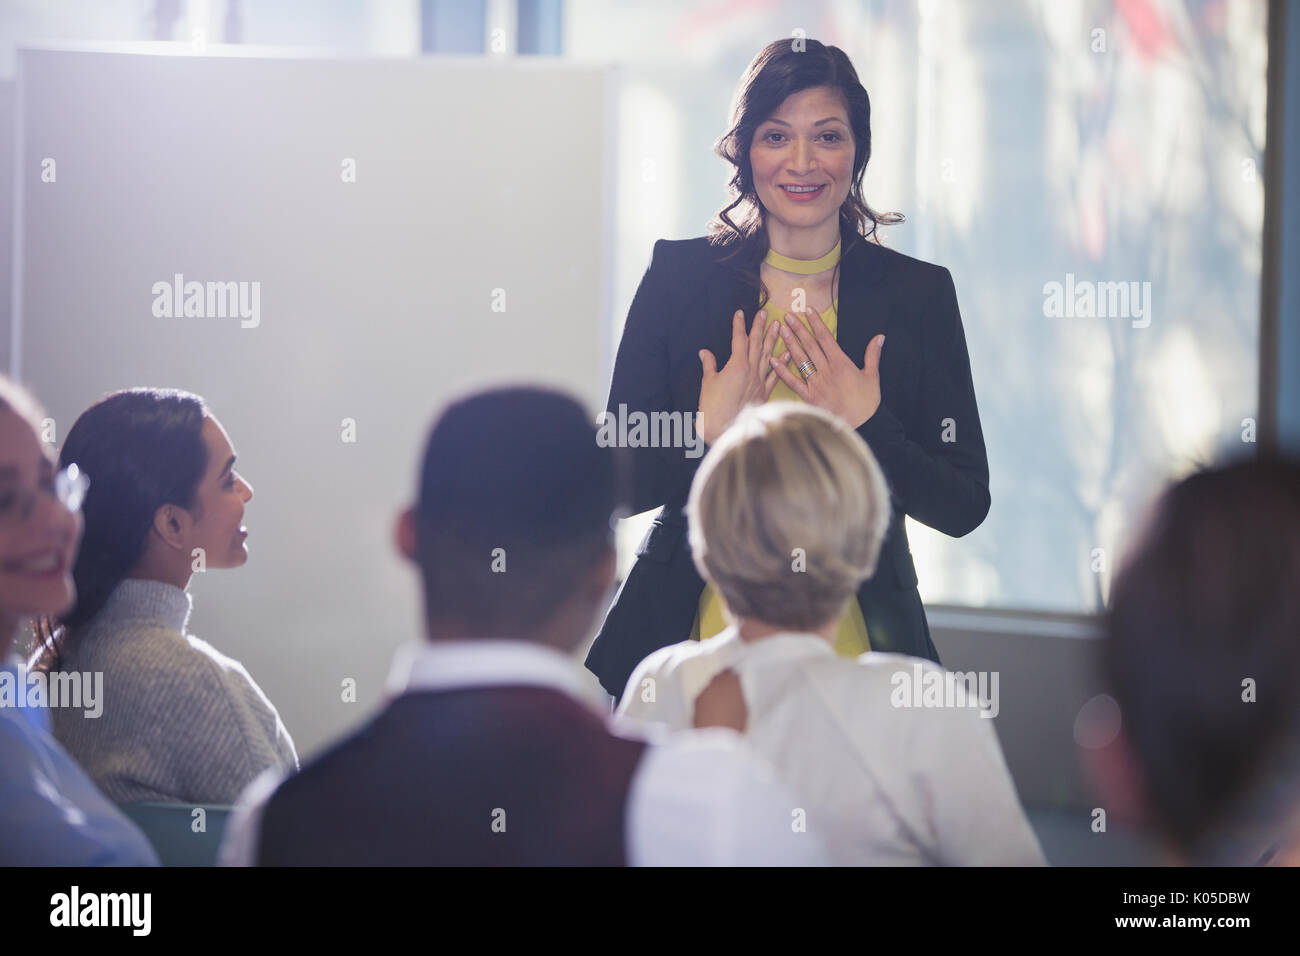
(470, 249)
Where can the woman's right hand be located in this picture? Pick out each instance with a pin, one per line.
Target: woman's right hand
(748, 376)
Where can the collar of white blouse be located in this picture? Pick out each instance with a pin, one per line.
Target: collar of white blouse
(784, 645)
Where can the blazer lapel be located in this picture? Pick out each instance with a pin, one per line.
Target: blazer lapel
(861, 314)
(725, 292)
(728, 291)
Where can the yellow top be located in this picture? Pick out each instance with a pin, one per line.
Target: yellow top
(852, 639)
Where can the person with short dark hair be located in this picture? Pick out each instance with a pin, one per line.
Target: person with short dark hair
(488, 752)
(1202, 651)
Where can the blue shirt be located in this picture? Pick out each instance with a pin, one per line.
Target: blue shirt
(53, 814)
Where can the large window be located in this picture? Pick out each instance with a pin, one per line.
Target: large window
(1091, 174)
(1089, 170)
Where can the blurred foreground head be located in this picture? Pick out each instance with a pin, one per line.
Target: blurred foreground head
(39, 533)
(1203, 654)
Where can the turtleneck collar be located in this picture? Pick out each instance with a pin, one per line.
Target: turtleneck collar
(152, 602)
(804, 267)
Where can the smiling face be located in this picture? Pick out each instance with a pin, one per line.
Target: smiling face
(216, 520)
(37, 549)
(807, 142)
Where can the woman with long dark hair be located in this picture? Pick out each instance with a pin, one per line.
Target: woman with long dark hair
(797, 243)
(181, 721)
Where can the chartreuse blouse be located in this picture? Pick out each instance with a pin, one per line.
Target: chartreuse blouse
(852, 638)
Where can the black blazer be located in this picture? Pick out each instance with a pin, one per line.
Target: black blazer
(684, 303)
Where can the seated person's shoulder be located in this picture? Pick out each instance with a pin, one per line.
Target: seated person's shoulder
(884, 665)
(879, 685)
(17, 744)
(875, 671)
(683, 664)
(671, 659)
(230, 673)
(154, 666)
(205, 655)
(950, 704)
(153, 652)
(662, 683)
(176, 666)
(201, 659)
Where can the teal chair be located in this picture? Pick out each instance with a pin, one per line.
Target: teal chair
(172, 828)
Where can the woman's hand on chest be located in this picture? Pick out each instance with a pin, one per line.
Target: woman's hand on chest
(746, 378)
(828, 378)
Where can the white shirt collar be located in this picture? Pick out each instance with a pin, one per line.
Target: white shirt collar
(452, 665)
(785, 645)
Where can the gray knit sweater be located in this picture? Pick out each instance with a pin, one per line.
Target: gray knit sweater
(181, 722)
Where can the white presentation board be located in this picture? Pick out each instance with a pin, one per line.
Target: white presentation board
(400, 230)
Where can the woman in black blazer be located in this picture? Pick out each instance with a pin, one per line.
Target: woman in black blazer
(800, 140)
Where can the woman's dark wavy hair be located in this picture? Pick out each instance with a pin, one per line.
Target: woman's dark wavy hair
(781, 69)
(142, 448)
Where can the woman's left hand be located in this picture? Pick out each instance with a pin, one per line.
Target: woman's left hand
(835, 383)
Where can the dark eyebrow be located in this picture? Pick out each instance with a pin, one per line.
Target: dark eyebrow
(829, 119)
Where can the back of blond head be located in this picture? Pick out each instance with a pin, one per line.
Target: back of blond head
(788, 512)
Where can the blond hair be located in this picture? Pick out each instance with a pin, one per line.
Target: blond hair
(787, 515)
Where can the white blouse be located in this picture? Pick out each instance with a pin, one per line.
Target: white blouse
(885, 783)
